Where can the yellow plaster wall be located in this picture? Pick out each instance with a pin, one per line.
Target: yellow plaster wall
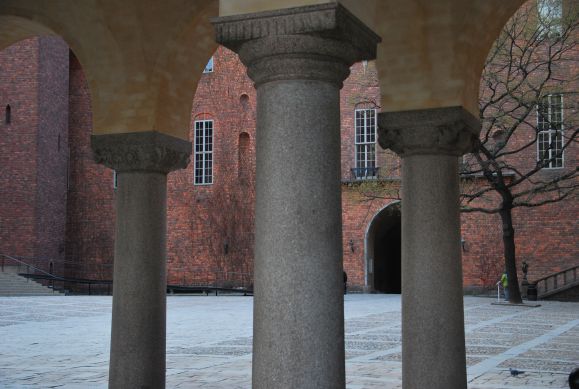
(432, 50)
(143, 58)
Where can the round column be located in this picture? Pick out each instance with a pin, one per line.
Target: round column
(298, 59)
(430, 142)
(142, 161)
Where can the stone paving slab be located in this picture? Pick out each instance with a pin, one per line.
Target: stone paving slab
(63, 342)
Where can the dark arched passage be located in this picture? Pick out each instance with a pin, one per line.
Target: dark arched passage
(383, 250)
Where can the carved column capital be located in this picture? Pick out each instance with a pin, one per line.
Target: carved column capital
(141, 151)
(318, 42)
(450, 131)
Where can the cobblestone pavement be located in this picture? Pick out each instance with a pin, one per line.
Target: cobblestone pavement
(62, 342)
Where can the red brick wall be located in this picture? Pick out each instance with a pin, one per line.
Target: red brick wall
(52, 153)
(18, 88)
(90, 222)
(204, 219)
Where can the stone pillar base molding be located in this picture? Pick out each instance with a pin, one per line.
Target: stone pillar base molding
(142, 161)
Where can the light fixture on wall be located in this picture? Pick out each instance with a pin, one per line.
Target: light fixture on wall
(463, 243)
(352, 248)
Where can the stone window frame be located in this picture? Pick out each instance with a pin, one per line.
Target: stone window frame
(203, 142)
(550, 126)
(364, 140)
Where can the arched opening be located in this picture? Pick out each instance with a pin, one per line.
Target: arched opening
(383, 250)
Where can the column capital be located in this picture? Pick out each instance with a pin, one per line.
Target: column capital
(318, 42)
(450, 131)
(149, 151)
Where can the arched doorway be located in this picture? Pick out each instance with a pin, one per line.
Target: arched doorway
(383, 250)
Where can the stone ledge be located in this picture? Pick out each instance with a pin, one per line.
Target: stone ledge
(149, 151)
(331, 20)
(448, 130)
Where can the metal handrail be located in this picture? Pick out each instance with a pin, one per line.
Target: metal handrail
(365, 173)
(544, 281)
(23, 263)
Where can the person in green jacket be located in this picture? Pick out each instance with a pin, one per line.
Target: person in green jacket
(505, 283)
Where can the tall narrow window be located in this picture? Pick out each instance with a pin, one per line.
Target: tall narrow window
(550, 14)
(550, 127)
(365, 144)
(8, 115)
(209, 66)
(243, 158)
(203, 152)
(115, 179)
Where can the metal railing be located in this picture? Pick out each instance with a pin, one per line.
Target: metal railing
(556, 281)
(365, 173)
(194, 279)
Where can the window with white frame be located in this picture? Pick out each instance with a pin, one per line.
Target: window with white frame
(203, 152)
(365, 144)
(550, 127)
(209, 66)
(550, 14)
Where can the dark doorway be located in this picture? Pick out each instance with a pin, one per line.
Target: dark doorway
(384, 250)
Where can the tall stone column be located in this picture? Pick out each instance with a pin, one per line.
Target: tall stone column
(430, 142)
(142, 161)
(298, 59)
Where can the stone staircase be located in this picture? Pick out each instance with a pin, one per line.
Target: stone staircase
(11, 284)
(560, 286)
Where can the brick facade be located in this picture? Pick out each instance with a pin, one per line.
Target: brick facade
(34, 79)
(210, 227)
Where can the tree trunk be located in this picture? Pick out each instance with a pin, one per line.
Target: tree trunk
(509, 253)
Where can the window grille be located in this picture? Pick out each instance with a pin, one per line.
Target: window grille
(203, 152)
(209, 66)
(365, 144)
(550, 14)
(550, 131)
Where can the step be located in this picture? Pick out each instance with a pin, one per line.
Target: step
(11, 284)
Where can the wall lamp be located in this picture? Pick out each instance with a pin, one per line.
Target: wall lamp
(351, 243)
(463, 243)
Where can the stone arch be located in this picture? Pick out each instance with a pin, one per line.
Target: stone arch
(383, 233)
(142, 62)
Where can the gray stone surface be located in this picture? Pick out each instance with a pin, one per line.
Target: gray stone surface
(142, 161)
(451, 131)
(298, 59)
(148, 151)
(207, 340)
(429, 142)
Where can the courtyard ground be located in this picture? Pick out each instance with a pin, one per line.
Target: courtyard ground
(63, 342)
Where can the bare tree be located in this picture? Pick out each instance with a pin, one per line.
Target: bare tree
(519, 162)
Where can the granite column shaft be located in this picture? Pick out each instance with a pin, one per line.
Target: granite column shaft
(430, 143)
(298, 59)
(142, 161)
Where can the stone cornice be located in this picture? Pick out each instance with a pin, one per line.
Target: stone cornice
(318, 42)
(330, 20)
(450, 131)
(141, 151)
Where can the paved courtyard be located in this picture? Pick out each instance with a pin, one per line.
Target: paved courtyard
(62, 342)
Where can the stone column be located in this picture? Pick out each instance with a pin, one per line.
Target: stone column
(298, 59)
(142, 161)
(430, 142)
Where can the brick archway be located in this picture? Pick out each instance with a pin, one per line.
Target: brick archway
(382, 250)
